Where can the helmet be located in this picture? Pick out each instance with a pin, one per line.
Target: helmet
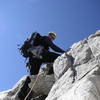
(52, 34)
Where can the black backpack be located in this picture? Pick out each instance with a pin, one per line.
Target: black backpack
(34, 40)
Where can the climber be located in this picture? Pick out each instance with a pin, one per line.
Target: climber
(47, 56)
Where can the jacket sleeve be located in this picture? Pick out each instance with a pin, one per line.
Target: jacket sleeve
(54, 47)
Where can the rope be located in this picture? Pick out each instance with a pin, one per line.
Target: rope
(33, 86)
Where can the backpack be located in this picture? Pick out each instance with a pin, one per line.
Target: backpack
(31, 44)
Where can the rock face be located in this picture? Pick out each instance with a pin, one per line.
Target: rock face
(80, 79)
(20, 90)
(76, 76)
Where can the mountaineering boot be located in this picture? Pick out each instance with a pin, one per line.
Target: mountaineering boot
(48, 69)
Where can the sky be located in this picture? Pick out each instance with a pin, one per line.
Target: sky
(72, 20)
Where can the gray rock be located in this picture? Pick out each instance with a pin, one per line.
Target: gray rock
(43, 84)
(12, 93)
(88, 88)
(66, 61)
(86, 84)
(42, 87)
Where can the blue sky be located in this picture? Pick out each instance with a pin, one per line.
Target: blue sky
(72, 20)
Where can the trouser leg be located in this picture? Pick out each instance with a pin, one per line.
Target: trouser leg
(49, 57)
(35, 65)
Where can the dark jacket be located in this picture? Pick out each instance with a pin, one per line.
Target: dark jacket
(47, 43)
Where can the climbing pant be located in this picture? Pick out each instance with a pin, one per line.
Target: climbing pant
(35, 64)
